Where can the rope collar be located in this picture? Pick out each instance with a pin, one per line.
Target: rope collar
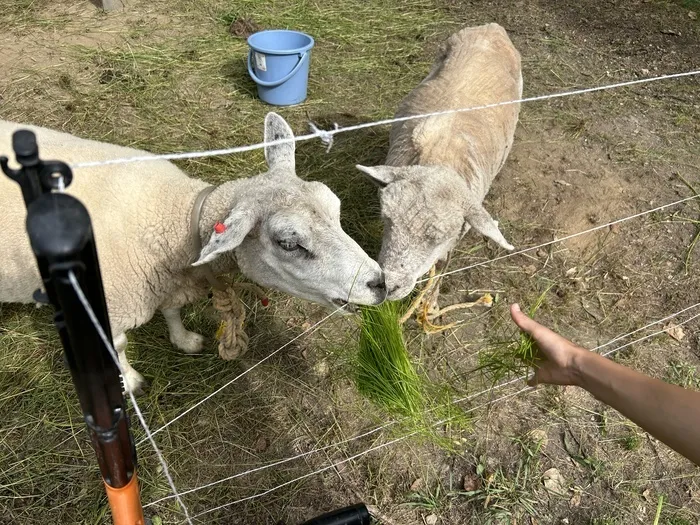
(196, 239)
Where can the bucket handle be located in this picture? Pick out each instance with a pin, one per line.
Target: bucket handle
(275, 83)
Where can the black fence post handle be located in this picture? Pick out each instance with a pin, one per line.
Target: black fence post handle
(61, 237)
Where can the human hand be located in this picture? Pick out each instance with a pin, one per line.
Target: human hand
(558, 356)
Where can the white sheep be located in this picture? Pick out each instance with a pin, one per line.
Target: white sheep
(439, 169)
(281, 232)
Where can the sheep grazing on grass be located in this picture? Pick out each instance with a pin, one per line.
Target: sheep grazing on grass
(439, 169)
(280, 231)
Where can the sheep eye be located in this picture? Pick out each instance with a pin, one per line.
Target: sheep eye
(288, 246)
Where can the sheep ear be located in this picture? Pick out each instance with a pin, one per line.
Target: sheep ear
(279, 155)
(381, 175)
(237, 225)
(481, 221)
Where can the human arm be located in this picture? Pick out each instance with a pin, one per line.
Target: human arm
(668, 412)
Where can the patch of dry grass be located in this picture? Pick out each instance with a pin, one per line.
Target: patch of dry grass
(167, 76)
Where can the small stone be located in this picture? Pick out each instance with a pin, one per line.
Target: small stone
(431, 519)
(541, 253)
(615, 228)
(692, 15)
(305, 326)
(562, 183)
(261, 444)
(645, 71)
(554, 482)
(646, 495)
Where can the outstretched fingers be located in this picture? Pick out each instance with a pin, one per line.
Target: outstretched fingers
(544, 337)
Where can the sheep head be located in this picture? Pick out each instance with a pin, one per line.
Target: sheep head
(285, 233)
(426, 210)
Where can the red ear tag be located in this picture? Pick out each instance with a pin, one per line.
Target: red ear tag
(219, 227)
(265, 301)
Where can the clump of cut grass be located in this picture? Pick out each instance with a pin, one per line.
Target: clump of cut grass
(526, 350)
(512, 357)
(385, 373)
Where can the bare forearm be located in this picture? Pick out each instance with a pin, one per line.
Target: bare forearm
(668, 412)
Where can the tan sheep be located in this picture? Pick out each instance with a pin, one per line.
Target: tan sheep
(440, 168)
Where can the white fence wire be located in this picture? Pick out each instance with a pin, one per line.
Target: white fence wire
(327, 137)
(482, 263)
(411, 434)
(166, 471)
(470, 397)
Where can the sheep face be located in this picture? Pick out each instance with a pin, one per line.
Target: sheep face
(426, 210)
(301, 249)
(286, 234)
(423, 213)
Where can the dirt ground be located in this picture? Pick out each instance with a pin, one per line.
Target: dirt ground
(169, 76)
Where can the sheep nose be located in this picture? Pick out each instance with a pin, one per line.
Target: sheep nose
(393, 290)
(377, 284)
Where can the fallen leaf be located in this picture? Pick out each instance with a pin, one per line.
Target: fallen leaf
(571, 271)
(321, 368)
(575, 500)
(305, 326)
(417, 485)
(675, 331)
(530, 269)
(646, 495)
(538, 437)
(692, 15)
(471, 483)
(243, 27)
(554, 482)
(431, 519)
(670, 32)
(261, 444)
(615, 228)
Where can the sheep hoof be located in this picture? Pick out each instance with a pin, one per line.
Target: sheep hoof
(189, 342)
(134, 382)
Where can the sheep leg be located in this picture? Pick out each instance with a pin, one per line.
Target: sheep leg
(133, 381)
(417, 304)
(180, 337)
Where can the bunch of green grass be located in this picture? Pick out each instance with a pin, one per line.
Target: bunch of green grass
(526, 351)
(385, 373)
(507, 358)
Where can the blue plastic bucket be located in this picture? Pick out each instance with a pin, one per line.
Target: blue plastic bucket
(278, 62)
